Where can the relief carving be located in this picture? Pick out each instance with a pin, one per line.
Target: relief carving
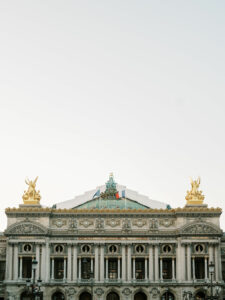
(59, 222)
(139, 222)
(2, 251)
(113, 222)
(99, 292)
(166, 222)
(26, 228)
(200, 228)
(126, 226)
(99, 225)
(73, 224)
(153, 225)
(86, 223)
(126, 291)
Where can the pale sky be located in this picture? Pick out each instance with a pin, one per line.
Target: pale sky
(136, 88)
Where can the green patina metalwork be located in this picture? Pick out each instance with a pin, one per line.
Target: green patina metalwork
(121, 203)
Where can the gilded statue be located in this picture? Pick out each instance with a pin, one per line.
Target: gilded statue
(194, 196)
(31, 196)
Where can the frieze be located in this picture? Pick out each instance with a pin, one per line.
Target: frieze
(3, 251)
(126, 228)
(86, 223)
(166, 222)
(73, 224)
(99, 225)
(139, 223)
(126, 291)
(113, 222)
(99, 292)
(59, 222)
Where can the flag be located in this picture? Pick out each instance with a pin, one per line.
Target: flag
(97, 194)
(117, 195)
(123, 194)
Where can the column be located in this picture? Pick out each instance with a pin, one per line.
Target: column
(52, 270)
(38, 260)
(64, 269)
(79, 272)
(96, 263)
(182, 262)
(9, 262)
(47, 262)
(161, 269)
(21, 268)
(15, 273)
(156, 262)
(151, 263)
(102, 266)
(75, 263)
(123, 263)
(206, 269)
(134, 269)
(219, 262)
(173, 268)
(69, 265)
(118, 268)
(193, 268)
(129, 263)
(146, 268)
(216, 263)
(92, 264)
(189, 262)
(178, 261)
(43, 261)
(106, 268)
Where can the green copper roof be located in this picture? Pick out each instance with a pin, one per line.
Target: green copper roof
(121, 203)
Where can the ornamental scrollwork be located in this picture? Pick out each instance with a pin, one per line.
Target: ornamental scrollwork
(99, 292)
(126, 226)
(126, 291)
(59, 222)
(153, 225)
(86, 223)
(26, 228)
(200, 228)
(166, 222)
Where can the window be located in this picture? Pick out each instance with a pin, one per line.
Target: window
(27, 267)
(139, 249)
(112, 249)
(59, 249)
(86, 249)
(167, 249)
(27, 248)
(58, 268)
(199, 248)
(140, 269)
(199, 268)
(167, 268)
(112, 269)
(85, 268)
(2, 270)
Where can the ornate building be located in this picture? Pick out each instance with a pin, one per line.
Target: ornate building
(110, 244)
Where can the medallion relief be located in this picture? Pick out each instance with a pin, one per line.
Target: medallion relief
(59, 223)
(113, 222)
(86, 223)
(139, 223)
(166, 222)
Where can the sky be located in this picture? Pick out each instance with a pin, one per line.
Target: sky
(132, 87)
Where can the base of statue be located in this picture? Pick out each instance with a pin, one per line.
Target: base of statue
(30, 205)
(195, 205)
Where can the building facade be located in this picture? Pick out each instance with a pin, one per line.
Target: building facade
(113, 247)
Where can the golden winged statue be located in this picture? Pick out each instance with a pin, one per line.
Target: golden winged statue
(31, 196)
(194, 196)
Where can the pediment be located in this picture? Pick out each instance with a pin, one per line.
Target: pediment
(26, 228)
(200, 228)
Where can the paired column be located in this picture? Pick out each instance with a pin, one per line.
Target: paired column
(123, 263)
(52, 270)
(189, 262)
(79, 271)
(21, 268)
(129, 263)
(161, 268)
(216, 263)
(193, 268)
(38, 260)
(102, 267)
(118, 268)
(75, 263)
(106, 268)
(156, 262)
(146, 268)
(206, 268)
(64, 269)
(134, 269)
(96, 263)
(15, 263)
(69, 259)
(173, 268)
(9, 263)
(150, 263)
(47, 262)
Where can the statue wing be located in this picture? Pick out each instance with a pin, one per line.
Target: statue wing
(35, 180)
(27, 181)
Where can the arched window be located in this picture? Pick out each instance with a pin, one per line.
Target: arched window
(140, 296)
(85, 296)
(58, 296)
(167, 296)
(112, 296)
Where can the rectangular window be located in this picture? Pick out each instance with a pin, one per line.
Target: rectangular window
(58, 268)
(27, 267)
(199, 268)
(112, 271)
(140, 268)
(2, 270)
(167, 268)
(85, 268)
